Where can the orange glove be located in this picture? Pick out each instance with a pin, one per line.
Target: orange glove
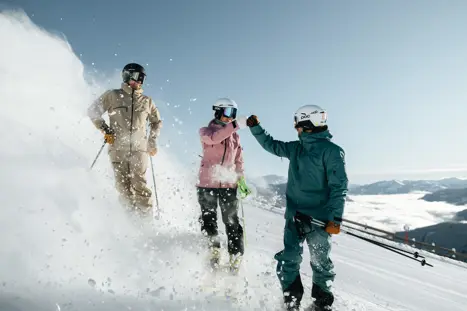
(109, 138)
(109, 134)
(333, 228)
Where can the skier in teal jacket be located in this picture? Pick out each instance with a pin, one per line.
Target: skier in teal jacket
(316, 189)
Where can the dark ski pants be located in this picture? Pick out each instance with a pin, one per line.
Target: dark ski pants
(208, 199)
(296, 231)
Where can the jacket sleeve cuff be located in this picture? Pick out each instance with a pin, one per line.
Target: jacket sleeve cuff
(256, 130)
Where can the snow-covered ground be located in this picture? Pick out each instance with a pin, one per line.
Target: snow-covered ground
(66, 245)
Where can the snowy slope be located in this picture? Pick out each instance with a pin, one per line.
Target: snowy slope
(66, 245)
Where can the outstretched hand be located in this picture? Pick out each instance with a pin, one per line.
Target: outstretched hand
(252, 121)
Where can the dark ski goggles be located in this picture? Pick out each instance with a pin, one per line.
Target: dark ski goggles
(228, 112)
(135, 76)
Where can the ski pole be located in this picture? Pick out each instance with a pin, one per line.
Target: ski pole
(157, 212)
(416, 254)
(243, 221)
(98, 154)
(388, 247)
(393, 249)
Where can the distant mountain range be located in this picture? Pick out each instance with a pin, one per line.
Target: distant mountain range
(271, 188)
(447, 234)
(449, 190)
(378, 188)
(407, 186)
(450, 195)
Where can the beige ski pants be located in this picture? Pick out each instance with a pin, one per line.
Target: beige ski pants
(130, 179)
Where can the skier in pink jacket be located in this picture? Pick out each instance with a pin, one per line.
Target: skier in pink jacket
(221, 176)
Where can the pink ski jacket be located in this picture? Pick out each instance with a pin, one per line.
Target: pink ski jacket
(222, 160)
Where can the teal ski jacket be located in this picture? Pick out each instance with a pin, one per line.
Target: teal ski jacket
(317, 180)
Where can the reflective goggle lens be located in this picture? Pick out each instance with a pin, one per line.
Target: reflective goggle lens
(137, 76)
(228, 112)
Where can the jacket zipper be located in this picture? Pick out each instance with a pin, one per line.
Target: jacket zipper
(131, 123)
(223, 157)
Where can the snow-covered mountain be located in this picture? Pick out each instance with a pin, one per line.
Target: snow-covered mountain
(66, 245)
(452, 196)
(407, 186)
(274, 186)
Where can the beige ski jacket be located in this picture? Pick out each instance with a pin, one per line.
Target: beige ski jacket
(129, 111)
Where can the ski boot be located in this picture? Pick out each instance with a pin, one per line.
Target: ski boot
(214, 246)
(215, 257)
(292, 306)
(323, 300)
(291, 301)
(235, 262)
(317, 307)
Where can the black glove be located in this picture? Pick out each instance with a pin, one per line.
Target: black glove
(252, 121)
(107, 130)
(109, 134)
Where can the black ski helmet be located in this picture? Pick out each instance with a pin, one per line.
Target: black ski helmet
(133, 71)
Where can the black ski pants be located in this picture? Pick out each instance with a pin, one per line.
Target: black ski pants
(208, 199)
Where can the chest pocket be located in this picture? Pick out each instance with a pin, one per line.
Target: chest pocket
(119, 105)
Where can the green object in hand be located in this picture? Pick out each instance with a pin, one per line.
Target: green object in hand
(243, 188)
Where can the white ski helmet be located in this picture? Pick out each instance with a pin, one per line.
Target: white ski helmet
(225, 107)
(310, 116)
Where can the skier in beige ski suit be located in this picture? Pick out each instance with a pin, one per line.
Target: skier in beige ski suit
(129, 111)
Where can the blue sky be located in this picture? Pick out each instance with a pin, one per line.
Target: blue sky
(392, 74)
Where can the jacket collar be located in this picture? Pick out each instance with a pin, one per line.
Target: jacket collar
(307, 139)
(216, 122)
(127, 89)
